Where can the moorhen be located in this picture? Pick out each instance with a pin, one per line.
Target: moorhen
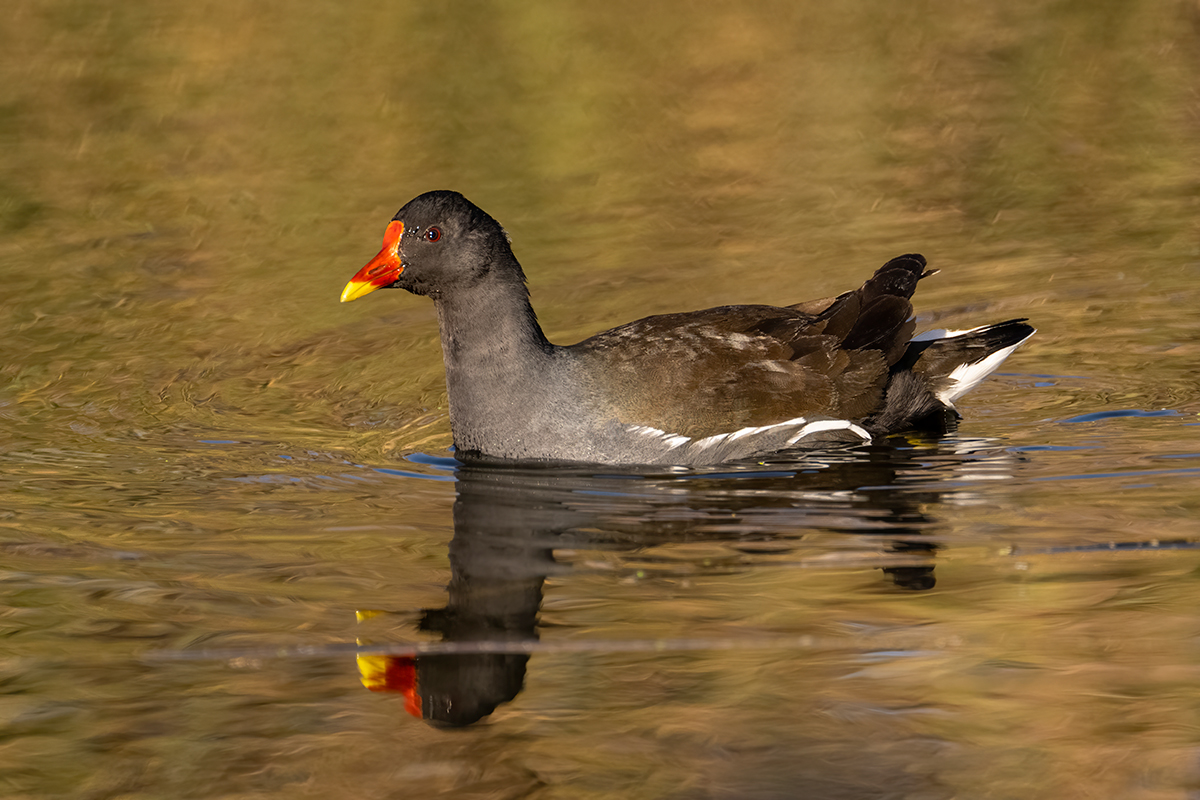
(703, 387)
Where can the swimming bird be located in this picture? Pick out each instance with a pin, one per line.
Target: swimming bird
(701, 387)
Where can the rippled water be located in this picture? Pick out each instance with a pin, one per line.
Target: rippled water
(229, 505)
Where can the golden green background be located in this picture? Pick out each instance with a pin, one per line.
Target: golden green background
(191, 425)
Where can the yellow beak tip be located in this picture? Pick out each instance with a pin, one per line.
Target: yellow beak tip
(355, 290)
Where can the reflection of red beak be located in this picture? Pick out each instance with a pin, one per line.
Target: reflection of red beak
(392, 674)
(382, 270)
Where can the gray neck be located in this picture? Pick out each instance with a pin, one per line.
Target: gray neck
(496, 358)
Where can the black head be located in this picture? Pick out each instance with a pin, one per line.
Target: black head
(436, 243)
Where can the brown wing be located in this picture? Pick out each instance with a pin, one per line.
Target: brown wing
(731, 367)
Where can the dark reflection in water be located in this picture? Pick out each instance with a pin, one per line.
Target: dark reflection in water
(509, 521)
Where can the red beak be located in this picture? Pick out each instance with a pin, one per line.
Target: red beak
(380, 271)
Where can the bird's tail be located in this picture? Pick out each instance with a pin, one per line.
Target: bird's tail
(940, 366)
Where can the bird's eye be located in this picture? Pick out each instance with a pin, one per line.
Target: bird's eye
(433, 234)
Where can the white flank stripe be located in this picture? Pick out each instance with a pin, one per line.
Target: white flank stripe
(740, 433)
(830, 425)
(673, 440)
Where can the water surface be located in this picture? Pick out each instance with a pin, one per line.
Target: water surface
(218, 482)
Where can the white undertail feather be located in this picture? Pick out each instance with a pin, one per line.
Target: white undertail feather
(944, 333)
(966, 377)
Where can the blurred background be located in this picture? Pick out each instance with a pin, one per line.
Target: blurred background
(200, 447)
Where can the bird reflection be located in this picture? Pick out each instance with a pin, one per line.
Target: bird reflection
(508, 521)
